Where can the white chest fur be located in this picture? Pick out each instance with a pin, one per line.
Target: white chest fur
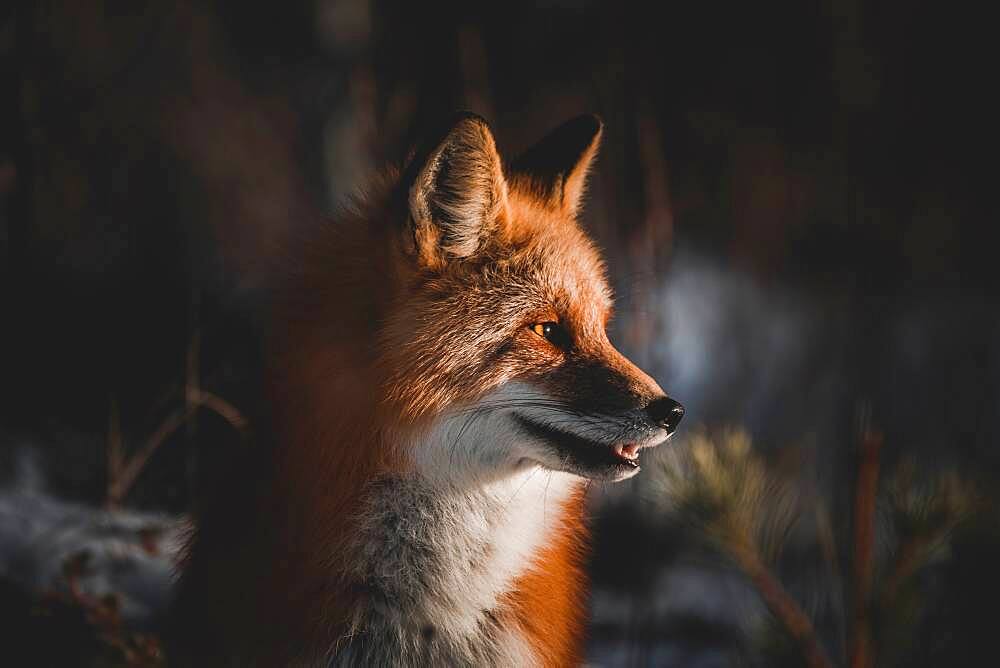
(435, 561)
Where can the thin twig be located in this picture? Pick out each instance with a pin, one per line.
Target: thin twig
(864, 547)
(475, 75)
(114, 450)
(781, 604)
(828, 547)
(911, 555)
(192, 371)
(202, 399)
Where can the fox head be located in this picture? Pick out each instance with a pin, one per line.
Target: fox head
(495, 347)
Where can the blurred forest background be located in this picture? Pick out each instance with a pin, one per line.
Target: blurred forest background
(796, 201)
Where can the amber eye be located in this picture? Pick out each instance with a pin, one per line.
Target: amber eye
(553, 332)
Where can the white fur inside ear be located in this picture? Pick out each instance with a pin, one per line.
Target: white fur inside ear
(459, 194)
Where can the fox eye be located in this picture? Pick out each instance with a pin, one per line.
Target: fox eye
(552, 332)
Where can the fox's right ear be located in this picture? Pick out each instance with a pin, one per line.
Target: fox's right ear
(458, 194)
(556, 167)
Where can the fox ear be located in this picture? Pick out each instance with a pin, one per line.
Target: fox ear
(458, 195)
(557, 166)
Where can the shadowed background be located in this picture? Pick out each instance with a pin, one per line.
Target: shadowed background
(792, 199)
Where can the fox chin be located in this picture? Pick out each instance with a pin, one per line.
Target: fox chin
(441, 387)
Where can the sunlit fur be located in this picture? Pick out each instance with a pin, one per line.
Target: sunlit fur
(403, 517)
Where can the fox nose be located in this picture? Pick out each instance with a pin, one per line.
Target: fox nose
(665, 412)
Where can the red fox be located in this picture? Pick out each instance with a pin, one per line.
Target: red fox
(442, 389)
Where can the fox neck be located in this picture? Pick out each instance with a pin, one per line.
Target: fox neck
(438, 565)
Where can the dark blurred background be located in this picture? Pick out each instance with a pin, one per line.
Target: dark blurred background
(795, 198)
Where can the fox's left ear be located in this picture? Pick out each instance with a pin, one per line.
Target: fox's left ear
(458, 194)
(557, 166)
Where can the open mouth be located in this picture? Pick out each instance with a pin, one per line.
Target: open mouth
(586, 457)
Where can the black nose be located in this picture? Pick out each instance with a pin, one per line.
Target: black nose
(665, 412)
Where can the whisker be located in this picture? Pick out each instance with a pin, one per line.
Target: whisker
(518, 490)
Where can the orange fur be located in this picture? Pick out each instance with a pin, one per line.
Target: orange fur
(419, 303)
(549, 602)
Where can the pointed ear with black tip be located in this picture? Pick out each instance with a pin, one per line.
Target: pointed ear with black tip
(557, 166)
(458, 196)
